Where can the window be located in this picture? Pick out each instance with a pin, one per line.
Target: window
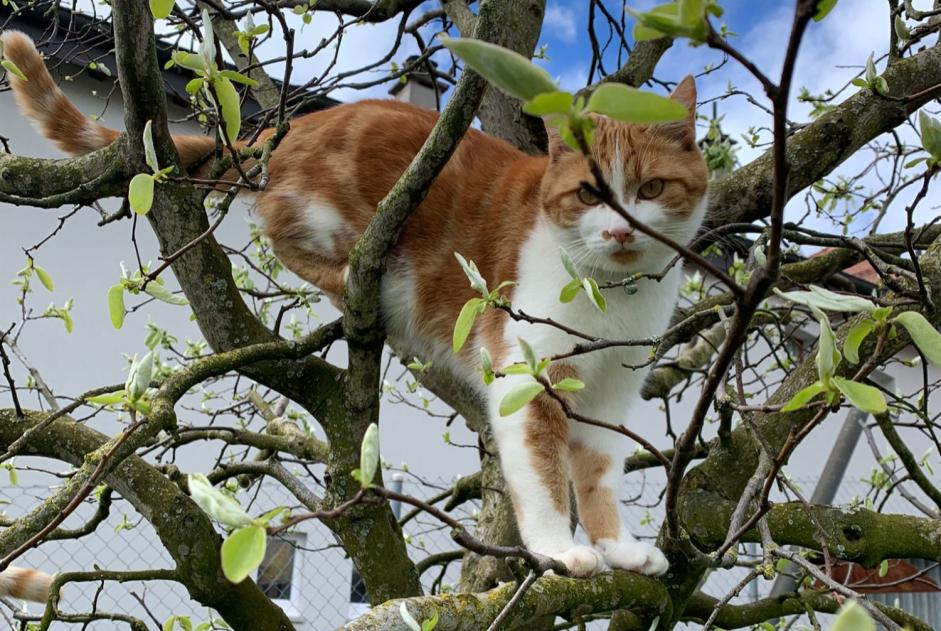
(278, 573)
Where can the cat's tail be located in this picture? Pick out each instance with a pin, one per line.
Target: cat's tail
(17, 582)
(57, 118)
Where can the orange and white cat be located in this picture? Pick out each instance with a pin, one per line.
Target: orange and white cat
(510, 213)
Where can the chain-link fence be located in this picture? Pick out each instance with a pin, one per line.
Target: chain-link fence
(306, 571)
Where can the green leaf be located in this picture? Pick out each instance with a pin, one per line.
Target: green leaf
(901, 29)
(883, 568)
(570, 290)
(188, 60)
(229, 107)
(473, 274)
(216, 503)
(232, 75)
(161, 9)
(519, 368)
(139, 376)
(44, 277)
(691, 12)
(140, 193)
(528, 354)
(826, 299)
(112, 398)
(465, 322)
(855, 337)
(568, 264)
(150, 155)
(509, 71)
(486, 365)
(13, 69)
(852, 617)
(828, 357)
(549, 103)
(163, 294)
(569, 384)
(518, 396)
(369, 455)
(823, 8)
(242, 552)
(859, 82)
(862, 396)
(116, 305)
(631, 105)
(930, 134)
(871, 72)
(431, 623)
(66, 320)
(925, 336)
(801, 399)
(594, 293)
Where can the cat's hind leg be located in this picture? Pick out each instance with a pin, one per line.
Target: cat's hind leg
(597, 456)
(533, 445)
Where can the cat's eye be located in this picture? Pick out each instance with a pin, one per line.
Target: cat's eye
(651, 189)
(587, 197)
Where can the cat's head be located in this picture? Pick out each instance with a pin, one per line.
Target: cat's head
(658, 176)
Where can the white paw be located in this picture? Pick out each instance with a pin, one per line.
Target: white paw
(637, 556)
(581, 561)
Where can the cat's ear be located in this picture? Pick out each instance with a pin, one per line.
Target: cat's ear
(557, 146)
(684, 130)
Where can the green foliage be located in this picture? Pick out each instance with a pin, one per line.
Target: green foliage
(852, 617)
(930, 136)
(518, 396)
(825, 299)
(216, 503)
(116, 305)
(426, 625)
(862, 396)
(140, 193)
(368, 457)
(628, 104)
(465, 321)
(208, 74)
(901, 29)
(507, 70)
(475, 306)
(518, 77)
(247, 37)
(804, 396)
(242, 552)
(139, 376)
(855, 338)
(871, 79)
(923, 334)
(823, 8)
(683, 18)
(161, 9)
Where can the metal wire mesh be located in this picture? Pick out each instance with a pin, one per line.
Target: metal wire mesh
(307, 571)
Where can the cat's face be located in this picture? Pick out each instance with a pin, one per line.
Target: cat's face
(657, 174)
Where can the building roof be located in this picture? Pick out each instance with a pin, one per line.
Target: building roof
(70, 37)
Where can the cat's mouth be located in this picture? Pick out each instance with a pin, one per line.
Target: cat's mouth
(625, 257)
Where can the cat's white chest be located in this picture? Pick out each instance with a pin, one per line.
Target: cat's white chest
(642, 315)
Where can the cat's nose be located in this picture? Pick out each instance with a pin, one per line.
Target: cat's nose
(623, 234)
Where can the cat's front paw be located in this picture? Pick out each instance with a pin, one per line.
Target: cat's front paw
(581, 561)
(637, 556)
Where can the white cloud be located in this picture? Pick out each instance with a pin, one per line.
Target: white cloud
(561, 22)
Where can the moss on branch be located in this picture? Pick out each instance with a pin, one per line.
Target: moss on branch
(549, 595)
